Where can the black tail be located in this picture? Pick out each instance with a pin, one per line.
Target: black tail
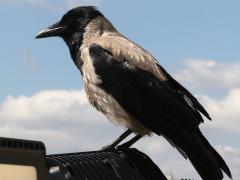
(219, 159)
(206, 160)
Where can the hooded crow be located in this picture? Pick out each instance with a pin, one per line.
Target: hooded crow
(128, 85)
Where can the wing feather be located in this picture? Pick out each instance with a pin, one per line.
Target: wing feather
(151, 101)
(123, 49)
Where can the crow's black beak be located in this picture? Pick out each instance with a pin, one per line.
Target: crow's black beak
(54, 30)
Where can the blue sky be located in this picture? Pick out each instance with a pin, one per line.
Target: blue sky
(196, 41)
(170, 30)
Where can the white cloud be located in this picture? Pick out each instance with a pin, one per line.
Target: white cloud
(225, 112)
(43, 105)
(53, 114)
(209, 75)
(232, 155)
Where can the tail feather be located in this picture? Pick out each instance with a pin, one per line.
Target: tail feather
(207, 169)
(219, 159)
(205, 159)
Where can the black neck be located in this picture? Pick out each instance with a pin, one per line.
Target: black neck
(74, 43)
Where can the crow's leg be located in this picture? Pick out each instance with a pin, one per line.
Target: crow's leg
(115, 143)
(129, 143)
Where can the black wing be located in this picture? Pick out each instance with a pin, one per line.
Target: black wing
(185, 93)
(155, 103)
(163, 106)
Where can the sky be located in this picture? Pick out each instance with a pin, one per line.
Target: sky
(41, 91)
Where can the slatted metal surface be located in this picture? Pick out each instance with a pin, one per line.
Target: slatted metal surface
(129, 164)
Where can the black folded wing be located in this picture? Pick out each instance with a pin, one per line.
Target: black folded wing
(156, 103)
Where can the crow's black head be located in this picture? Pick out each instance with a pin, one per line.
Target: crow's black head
(74, 21)
(71, 28)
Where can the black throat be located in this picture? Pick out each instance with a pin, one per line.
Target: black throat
(76, 20)
(74, 43)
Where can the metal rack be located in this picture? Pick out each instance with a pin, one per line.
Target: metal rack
(129, 164)
(125, 164)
